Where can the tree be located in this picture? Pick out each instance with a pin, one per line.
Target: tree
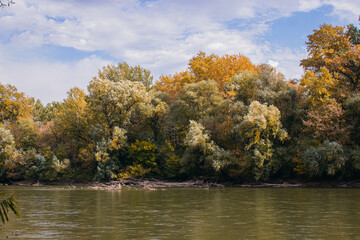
(265, 85)
(113, 102)
(325, 160)
(347, 66)
(13, 104)
(203, 157)
(325, 43)
(203, 67)
(219, 69)
(201, 97)
(260, 122)
(143, 153)
(335, 48)
(73, 122)
(352, 116)
(245, 85)
(7, 145)
(173, 84)
(202, 102)
(123, 71)
(260, 128)
(319, 88)
(327, 122)
(24, 131)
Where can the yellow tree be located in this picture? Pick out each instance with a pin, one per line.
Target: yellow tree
(13, 104)
(337, 49)
(173, 84)
(219, 69)
(319, 88)
(325, 43)
(73, 123)
(206, 67)
(72, 114)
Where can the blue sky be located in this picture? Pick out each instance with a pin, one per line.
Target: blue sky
(48, 47)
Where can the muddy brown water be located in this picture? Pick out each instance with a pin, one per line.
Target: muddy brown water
(184, 213)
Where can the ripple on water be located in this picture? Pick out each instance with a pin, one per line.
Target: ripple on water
(231, 213)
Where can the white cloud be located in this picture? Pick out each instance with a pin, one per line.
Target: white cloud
(308, 5)
(50, 81)
(347, 10)
(273, 63)
(288, 61)
(160, 35)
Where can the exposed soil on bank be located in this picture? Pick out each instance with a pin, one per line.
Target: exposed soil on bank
(153, 184)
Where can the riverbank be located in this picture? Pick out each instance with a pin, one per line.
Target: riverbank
(154, 184)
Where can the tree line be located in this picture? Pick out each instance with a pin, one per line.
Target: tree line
(222, 119)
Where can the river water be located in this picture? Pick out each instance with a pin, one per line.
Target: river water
(186, 213)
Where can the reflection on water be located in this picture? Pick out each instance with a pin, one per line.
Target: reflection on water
(231, 213)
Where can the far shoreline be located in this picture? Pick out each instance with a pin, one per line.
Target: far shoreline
(153, 184)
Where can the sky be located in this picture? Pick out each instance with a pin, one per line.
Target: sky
(49, 46)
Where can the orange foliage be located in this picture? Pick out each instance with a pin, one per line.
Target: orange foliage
(348, 66)
(203, 67)
(337, 49)
(173, 84)
(325, 43)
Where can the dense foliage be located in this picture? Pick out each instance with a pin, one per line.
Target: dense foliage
(222, 119)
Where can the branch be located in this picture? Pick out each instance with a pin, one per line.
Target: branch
(10, 2)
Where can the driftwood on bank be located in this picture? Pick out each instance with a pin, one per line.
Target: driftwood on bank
(271, 185)
(151, 184)
(164, 184)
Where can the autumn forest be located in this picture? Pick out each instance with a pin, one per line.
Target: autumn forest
(222, 119)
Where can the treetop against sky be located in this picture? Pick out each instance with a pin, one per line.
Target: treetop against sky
(47, 46)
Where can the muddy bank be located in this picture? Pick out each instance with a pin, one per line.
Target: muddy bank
(151, 184)
(127, 183)
(302, 184)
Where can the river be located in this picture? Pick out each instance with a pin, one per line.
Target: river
(185, 213)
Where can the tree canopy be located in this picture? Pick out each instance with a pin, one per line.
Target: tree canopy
(223, 118)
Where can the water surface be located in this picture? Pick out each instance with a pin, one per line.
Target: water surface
(230, 213)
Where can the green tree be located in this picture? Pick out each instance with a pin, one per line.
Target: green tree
(325, 160)
(7, 145)
(113, 102)
(123, 71)
(143, 153)
(245, 85)
(25, 133)
(202, 157)
(260, 128)
(352, 116)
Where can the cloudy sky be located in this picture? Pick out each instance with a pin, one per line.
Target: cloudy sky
(49, 46)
